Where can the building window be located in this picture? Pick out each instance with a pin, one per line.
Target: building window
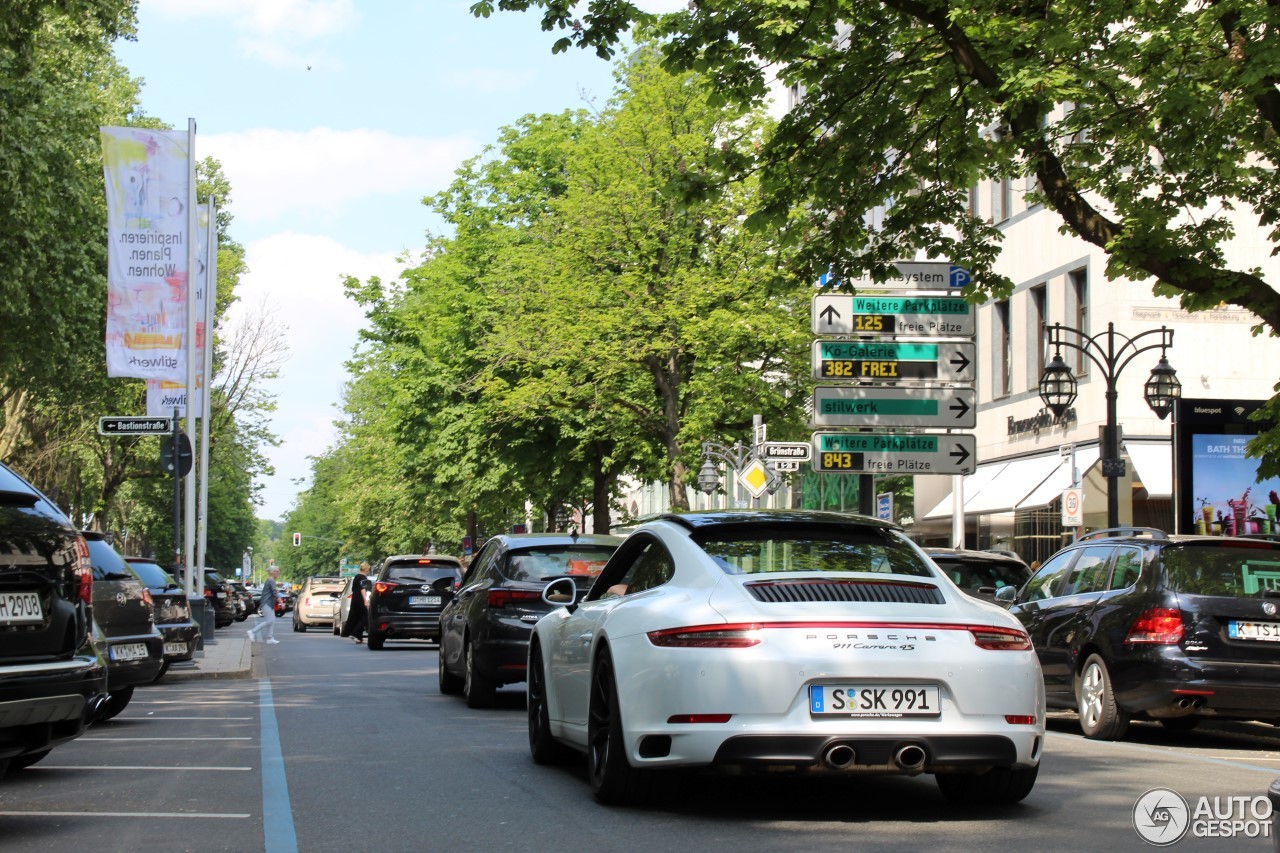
(1001, 199)
(1039, 327)
(973, 201)
(1078, 294)
(1004, 352)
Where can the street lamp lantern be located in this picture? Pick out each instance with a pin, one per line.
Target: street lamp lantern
(1111, 352)
(708, 477)
(1057, 386)
(1162, 388)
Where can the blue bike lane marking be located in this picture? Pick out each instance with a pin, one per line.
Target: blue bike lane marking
(279, 834)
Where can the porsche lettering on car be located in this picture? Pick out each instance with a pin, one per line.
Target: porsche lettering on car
(783, 641)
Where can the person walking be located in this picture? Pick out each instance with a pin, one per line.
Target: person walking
(358, 613)
(270, 594)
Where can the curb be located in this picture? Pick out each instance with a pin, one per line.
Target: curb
(220, 667)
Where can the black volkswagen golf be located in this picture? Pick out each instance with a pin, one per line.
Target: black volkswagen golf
(484, 640)
(1131, 623)
(52, 678)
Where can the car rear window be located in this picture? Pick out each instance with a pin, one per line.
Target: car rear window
(760, 549)
(107, 563)
(152, 575)
(1241, 571)
(424, 570)
(977, 574)
(556, 561)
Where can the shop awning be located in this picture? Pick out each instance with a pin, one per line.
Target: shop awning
(1059, 478)
(1152, 466)
(1000, 486)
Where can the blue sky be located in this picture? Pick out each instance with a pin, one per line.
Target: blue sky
(332, 120)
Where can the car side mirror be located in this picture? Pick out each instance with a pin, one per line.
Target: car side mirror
(366, 584)
(561, 592)
(1007, 594)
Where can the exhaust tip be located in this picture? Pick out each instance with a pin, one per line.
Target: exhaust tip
(839, 757)
(909, 757)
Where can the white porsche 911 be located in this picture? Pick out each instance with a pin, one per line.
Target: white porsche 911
(783, 640)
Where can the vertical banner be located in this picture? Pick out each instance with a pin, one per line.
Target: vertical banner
(162, 396)
(147, 178)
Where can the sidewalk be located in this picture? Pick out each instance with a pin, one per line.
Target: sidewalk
(228, 655)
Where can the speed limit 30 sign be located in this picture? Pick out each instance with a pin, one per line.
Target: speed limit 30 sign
(1073, 508)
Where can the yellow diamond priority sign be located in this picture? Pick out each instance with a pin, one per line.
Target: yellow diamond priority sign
(754, 478)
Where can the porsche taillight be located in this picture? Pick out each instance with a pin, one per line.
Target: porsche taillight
(84, 571)
(739, 636)
(992, 637)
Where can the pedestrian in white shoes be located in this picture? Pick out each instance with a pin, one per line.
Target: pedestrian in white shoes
(267, 627)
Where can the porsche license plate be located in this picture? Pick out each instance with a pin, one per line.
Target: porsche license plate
(129, 651)
(423, 600)
(175, 648)
(1269, 631)
(874, 700)
(20, 608)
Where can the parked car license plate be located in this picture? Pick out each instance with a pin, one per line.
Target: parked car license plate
(874, 700)
(423, 599)
(20, 608)
(175, 648)
(1269, 631)
(129, 651)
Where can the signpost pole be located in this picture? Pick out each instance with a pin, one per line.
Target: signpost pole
(177, 505)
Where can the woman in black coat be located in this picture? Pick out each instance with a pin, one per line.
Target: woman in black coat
(358, 614)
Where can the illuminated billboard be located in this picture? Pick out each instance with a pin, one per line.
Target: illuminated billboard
(1215, 483)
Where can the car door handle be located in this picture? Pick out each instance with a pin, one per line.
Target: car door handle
(585, 639)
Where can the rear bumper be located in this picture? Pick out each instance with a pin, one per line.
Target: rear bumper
(406, 626)
(942, 752)
(312, 617)
(186, 633)
(506, 658)
(1164, 686)
(44, 705)
(124, 673)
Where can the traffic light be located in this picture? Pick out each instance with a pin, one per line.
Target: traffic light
(297, 539)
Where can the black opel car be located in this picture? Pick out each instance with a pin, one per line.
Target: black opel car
(1131, 623)
(122, 608)
(172, 611)
(484, 639)
(52, 678)
(408, 594)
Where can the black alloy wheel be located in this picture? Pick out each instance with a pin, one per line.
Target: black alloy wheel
(477, 688)
(613, 780)
(450, 684)
(544, 748)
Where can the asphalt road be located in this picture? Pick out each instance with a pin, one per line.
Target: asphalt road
(341, 748)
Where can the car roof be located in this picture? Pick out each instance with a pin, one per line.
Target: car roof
(714, 518)
(537, 540)
(975, 555)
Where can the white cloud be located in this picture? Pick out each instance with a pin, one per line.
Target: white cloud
(282, 33)
(274, 172)
(299, 277)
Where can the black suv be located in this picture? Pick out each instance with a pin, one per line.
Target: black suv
(1133, 623)
(408, 594)
(52, 678)
(123, 609)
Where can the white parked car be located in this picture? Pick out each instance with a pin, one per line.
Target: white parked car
(783, 640)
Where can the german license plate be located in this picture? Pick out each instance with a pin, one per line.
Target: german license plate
(20, 608)
(874, 700)
(175, 648)
(129, 651)
(1269, 631)
(423, 599)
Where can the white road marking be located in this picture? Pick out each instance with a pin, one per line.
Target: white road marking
(126, 814)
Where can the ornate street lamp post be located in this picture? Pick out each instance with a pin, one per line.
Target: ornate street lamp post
(736, 458)
(1111, 352)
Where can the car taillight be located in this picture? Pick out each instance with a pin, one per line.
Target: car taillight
(306, 602)
(503, 597)
(1020, 719)
(991, 637)
(740, 636)
(383, 587)
(146, 596)
(208, 593)
(84, 570)
(1158, 626)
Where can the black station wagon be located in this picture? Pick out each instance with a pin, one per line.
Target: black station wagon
(1131, 623)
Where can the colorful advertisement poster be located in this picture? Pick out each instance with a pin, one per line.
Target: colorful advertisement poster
(164, 397)
(147, 177)
(1227, 496)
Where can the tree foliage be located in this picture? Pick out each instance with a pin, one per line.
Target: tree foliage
(1151, 128)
